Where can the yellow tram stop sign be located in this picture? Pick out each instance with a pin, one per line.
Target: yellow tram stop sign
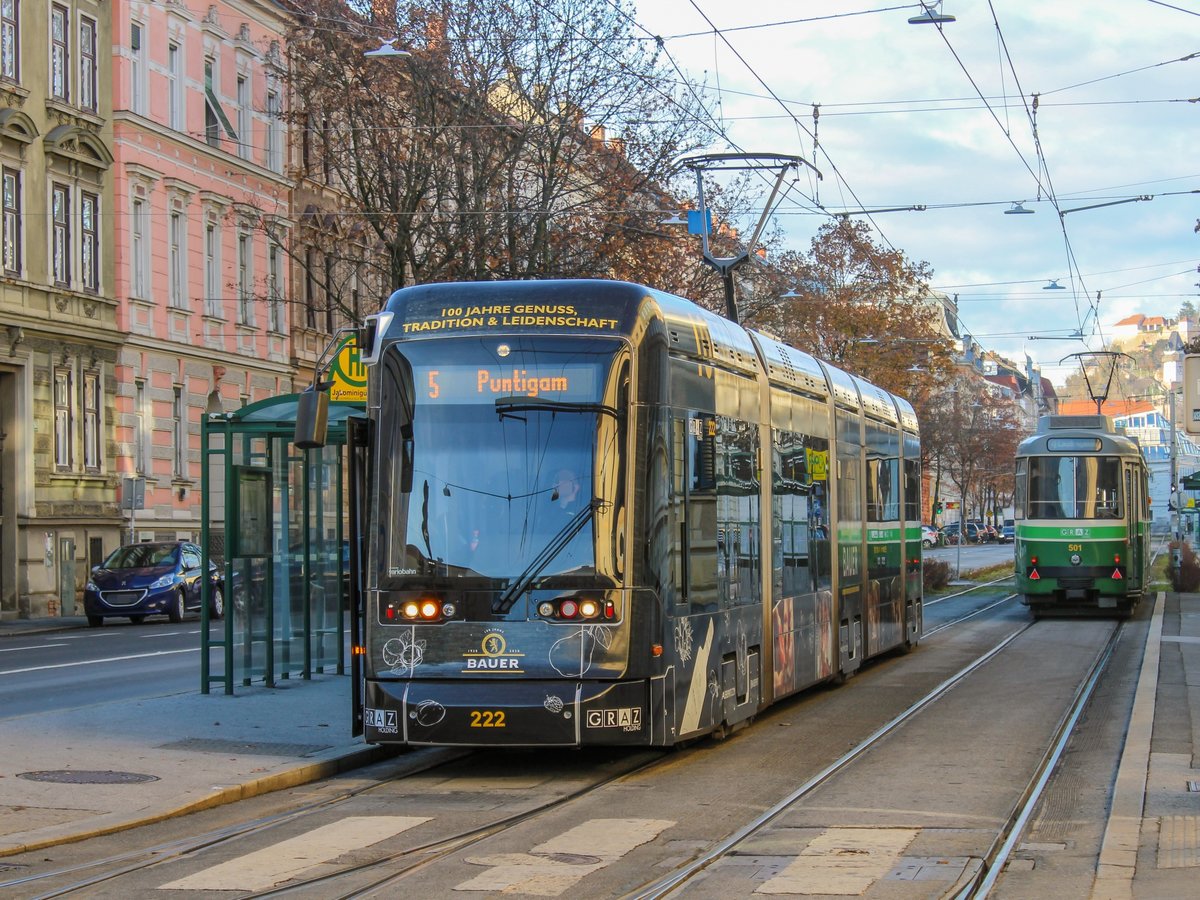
(347, 372)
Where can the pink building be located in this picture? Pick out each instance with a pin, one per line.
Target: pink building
(200, 151)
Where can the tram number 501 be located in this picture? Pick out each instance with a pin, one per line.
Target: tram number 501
(487, 718)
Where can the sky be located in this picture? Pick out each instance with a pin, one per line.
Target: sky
(917, 115)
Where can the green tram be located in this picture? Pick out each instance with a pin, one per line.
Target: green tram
(1082, 518)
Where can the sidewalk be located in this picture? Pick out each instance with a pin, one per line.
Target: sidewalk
(117, 765)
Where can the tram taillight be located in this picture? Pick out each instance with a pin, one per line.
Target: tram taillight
(1117, 558)
(572, 608)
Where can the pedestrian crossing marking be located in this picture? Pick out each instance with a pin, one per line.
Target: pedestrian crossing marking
(556, 865)
(842, 861)
(288, 859)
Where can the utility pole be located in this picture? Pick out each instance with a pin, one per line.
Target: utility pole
(1176, 549)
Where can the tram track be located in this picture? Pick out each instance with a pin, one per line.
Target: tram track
(379, 875)
(977, 881)
(121, 864)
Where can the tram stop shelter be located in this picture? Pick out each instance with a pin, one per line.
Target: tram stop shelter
(274, 524)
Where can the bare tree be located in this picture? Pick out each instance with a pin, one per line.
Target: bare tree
(520, 139)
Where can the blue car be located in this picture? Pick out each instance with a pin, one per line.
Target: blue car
(140, 580)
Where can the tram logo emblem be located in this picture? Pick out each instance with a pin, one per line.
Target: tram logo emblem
(382, 720)
(493, 655)
(627, 719)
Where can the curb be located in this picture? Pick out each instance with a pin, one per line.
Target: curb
(338, 762)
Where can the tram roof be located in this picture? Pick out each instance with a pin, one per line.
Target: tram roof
(1072, 435)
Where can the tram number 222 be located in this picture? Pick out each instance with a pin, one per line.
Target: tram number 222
(487, 718)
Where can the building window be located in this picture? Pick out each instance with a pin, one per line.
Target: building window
(243, 116)
(89, 251)
(179, 434)
(137, 68)
(87, 63)
(274, 280)
(175, 254)
(59, 57)
(310, 290)
(141, 427)
(60, 244)
(329, 295)
(137, 249)
(245, 279)
(92, 449)
(274, 133)
(10, 40)
(212, 269)
(12, 221)
(175, 110)
(214, 116)
(63, 419)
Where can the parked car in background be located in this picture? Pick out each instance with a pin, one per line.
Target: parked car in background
(1007, 533)
(975, 532)
(930, 536)
(139, 580)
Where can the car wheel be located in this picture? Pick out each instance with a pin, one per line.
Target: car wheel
(927, 543)
(178, 608)
(95, 621)
(216, 606)
(137, 620)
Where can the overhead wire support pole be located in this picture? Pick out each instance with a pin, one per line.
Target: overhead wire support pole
(725, 265)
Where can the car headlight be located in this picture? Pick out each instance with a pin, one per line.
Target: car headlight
(166, 581)
(91, 586)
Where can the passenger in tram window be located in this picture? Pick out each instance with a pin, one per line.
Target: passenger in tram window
(566, 492)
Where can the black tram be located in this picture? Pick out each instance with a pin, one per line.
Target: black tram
(593, 513)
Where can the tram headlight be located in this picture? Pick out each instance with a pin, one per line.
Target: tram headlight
(412, 609)
(448, 610)
(546, 609)
(589, 609)
(429, 609)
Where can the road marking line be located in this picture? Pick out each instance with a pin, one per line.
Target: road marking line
(92, 662)
(288, 859)
(842, 861)
(555, 866)
(38, 647)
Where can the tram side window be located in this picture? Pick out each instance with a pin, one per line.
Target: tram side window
(803, 517)
(738, 554)
(912, 479)
(695, 478)
(1020, 488)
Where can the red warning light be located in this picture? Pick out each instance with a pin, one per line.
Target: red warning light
(1034, 576)
(1117, 575)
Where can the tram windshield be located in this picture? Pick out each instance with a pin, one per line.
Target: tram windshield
(1074, 487)
(504, 452)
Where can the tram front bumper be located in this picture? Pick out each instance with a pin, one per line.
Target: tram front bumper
(509, 713)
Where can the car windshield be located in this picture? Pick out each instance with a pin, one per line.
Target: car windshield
(141, 556)
(514, 447)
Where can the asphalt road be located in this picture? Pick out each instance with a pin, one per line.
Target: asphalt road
(69, 669)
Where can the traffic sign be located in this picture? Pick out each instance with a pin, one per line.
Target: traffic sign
(348, 373)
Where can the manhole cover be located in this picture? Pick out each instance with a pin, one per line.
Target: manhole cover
(78, 776)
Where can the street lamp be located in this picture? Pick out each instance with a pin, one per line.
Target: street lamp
(931, 16)
(387, 50)
(1017, 209)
